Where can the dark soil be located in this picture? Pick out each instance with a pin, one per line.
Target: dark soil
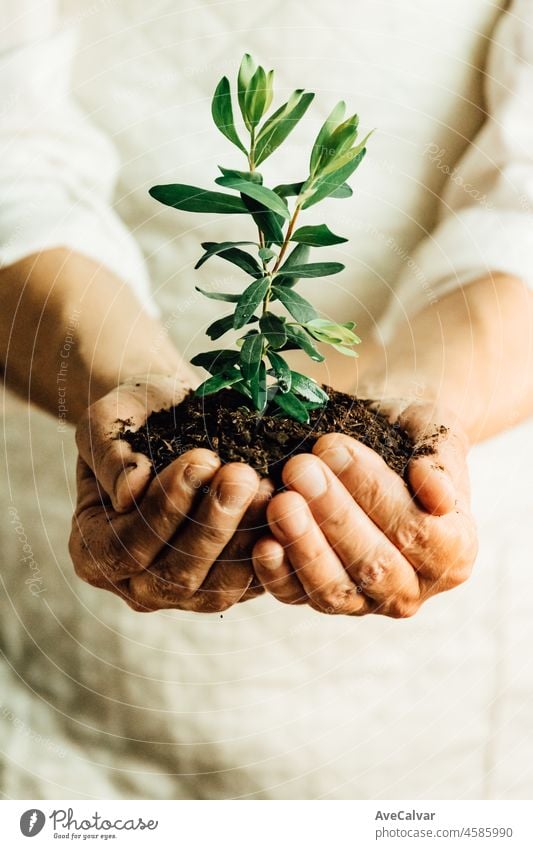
(223, 423)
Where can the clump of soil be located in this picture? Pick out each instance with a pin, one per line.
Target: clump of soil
(224, 424)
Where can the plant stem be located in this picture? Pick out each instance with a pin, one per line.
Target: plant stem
(266, 299)
(285, 245)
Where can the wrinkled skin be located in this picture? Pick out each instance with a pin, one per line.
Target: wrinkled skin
(180, 540)
(349, 537)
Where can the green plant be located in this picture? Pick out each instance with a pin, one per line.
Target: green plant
(257, 368)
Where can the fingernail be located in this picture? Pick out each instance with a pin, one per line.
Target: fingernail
(337, 458)
(311, 480)
(195, 475)
(233, 496)
(293, 524)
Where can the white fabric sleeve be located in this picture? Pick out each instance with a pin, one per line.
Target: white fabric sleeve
(57, 171)
(485, 220)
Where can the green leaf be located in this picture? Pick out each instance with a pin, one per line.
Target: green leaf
(286, 190)
(256, 97)
(317, 236)
(308, 388)
(282, 122)
(246, 72)
(213, 248)
(251, 176)
(269, 90)
(265, 196)
(339, 162)
(268, 222)
(251, 355)
(243, 389)
(300, 338)
(311, 269)
(291, 405)
(222, 112)
(258, 388)
(242, 260)
(348, 352)
(216, 361)
(340, 140)
(343, 137)
(299, 308)
(220, 326)
(193, 199)
(252, 296)
(266, 254)
(273, 328)
(331, 332)
(343, 191)
(281, 370)
(298, 256)
(326, 186)
(321, 143)
(219, 296)
(218, 382)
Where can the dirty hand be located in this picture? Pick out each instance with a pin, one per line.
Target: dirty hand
(179, 540)
(349, 537)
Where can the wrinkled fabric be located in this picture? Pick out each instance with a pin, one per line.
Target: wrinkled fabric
(265, 701)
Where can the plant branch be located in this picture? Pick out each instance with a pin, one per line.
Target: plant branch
(285, 245)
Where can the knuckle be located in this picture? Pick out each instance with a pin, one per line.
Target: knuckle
(213, 602)
(402, 608)
(138, 606)
(170, 584)
(209, 537)
(336, 600)
(112, 555)
(339, 522)
(415, 532)
(367, 488)
(376, 571)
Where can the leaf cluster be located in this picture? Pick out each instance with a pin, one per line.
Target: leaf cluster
(279, 258)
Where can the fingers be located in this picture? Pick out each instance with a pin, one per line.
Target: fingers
(231, 578)
(314, 562)
(438, 478)
(273, 569)
(433, 545)
(376, 566)
(106, 546)
(180, 571)
(122, 473)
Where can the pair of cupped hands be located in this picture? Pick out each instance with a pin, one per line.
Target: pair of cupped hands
(346, 536)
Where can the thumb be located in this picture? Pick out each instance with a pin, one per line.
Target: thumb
(121, 472)
(438, 473)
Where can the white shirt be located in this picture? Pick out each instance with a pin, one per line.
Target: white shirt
(269, 701)
(424, 219)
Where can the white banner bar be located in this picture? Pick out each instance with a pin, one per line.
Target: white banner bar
(268, 825)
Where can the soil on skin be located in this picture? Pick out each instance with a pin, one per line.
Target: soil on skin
(224, 424)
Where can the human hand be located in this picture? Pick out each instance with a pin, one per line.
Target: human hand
(179, 540)
(348, 536)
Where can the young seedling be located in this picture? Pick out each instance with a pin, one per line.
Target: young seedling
(257, 369)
